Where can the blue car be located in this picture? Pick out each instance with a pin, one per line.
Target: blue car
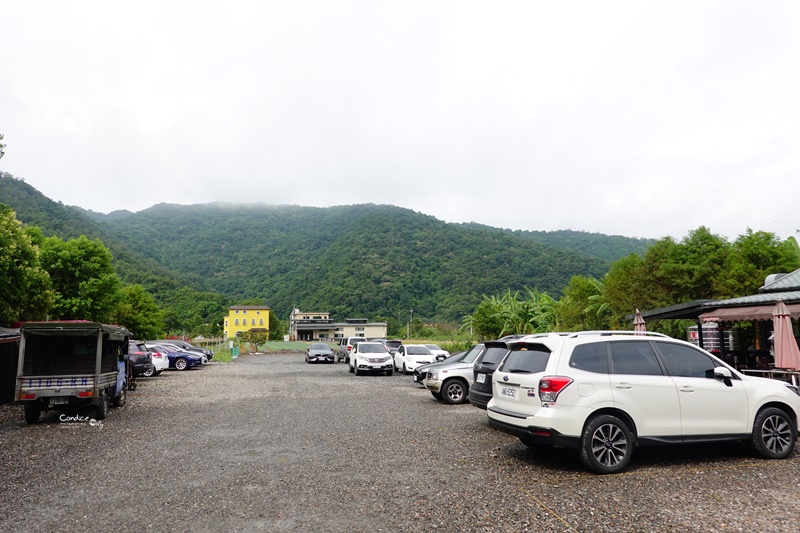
(178, 360)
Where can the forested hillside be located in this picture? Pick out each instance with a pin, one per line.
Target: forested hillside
(363, 260)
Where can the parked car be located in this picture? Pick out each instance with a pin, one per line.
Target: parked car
(410, 356)
(605, 393)
(319, 351)
(370, 357)
(141, 360)
(345, 346)
(450, 380)
(440, 354)
(419, 373)
(480, 392)
(391, 345)
(175, 347)
(160, 362)
(178, 360)
(185, 346)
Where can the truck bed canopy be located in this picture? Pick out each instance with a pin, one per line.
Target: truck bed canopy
(78, 328)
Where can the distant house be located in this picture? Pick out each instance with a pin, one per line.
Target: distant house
(242, 318)
(320, 327)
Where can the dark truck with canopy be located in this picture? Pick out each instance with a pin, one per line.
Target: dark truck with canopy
(67, 364)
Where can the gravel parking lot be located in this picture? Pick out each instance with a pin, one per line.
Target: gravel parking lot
(269, 443)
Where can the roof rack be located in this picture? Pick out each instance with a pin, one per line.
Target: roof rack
(608, 333)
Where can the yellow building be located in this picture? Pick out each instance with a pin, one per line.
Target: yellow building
(246, 318)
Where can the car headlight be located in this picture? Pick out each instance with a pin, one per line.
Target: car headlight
(434, 376)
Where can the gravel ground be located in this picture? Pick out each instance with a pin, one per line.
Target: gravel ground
(269, 443)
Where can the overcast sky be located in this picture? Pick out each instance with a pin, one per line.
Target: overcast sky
(635, 118)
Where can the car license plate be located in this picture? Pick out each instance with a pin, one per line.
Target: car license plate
(509, 392)
(481, 378)
(59, 401)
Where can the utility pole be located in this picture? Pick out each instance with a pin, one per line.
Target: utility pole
(410, 322)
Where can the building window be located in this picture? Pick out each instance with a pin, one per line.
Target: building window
(236, 322)
(359, 329)
(244, 311)
(258, 312)
(253, 322)
(226, 322)
(260, 321)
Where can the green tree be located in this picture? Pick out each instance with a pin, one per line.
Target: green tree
(137, 311)
(485, 322)
(581, 306)
(277, 327)
(25, 288)
(85, 284)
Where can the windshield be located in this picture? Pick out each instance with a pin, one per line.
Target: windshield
(432, 347)
(319, 346)
(371, 348)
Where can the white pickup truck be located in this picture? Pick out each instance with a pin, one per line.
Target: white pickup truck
(67, 364)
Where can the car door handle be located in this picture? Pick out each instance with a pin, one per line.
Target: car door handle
(686, 389)
(623, 385)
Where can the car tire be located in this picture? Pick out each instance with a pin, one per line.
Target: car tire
(405, 372)
(774, 434)
(437, 395)
(119, 401)
(32, 412)
(150, 372)
(351, 369)
(181, 364)
(355, 371)
(102, 406)
(454, 391)
(606, 445)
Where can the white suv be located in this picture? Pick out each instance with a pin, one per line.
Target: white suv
(604, 393)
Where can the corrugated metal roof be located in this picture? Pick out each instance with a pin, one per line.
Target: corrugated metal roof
(757, 299)
(789, 282)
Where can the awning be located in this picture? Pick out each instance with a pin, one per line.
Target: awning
(755, 312)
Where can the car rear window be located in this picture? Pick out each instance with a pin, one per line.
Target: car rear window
(493, 355)
(528, 359)
(417, 350)
(394, 344)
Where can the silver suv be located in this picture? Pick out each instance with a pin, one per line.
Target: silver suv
(450, 380)
(605, 393)
(346, 346)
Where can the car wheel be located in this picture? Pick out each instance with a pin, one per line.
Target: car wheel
(181, 364)
(437, 395)
(404, 369)
(32, 412)
(355, 371)
(351, 369)
(454, 391)
(120, 400)
(102, 406)
(774, 434)
(150, 372)
(606, 445)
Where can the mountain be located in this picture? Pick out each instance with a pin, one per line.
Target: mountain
(359, 260)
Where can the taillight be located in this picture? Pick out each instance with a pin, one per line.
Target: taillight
(551, 386)
(349, 348)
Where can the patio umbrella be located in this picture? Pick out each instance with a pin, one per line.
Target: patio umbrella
(787, 354)
(638, 322)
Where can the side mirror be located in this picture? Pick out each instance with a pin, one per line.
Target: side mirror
(723, 374)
